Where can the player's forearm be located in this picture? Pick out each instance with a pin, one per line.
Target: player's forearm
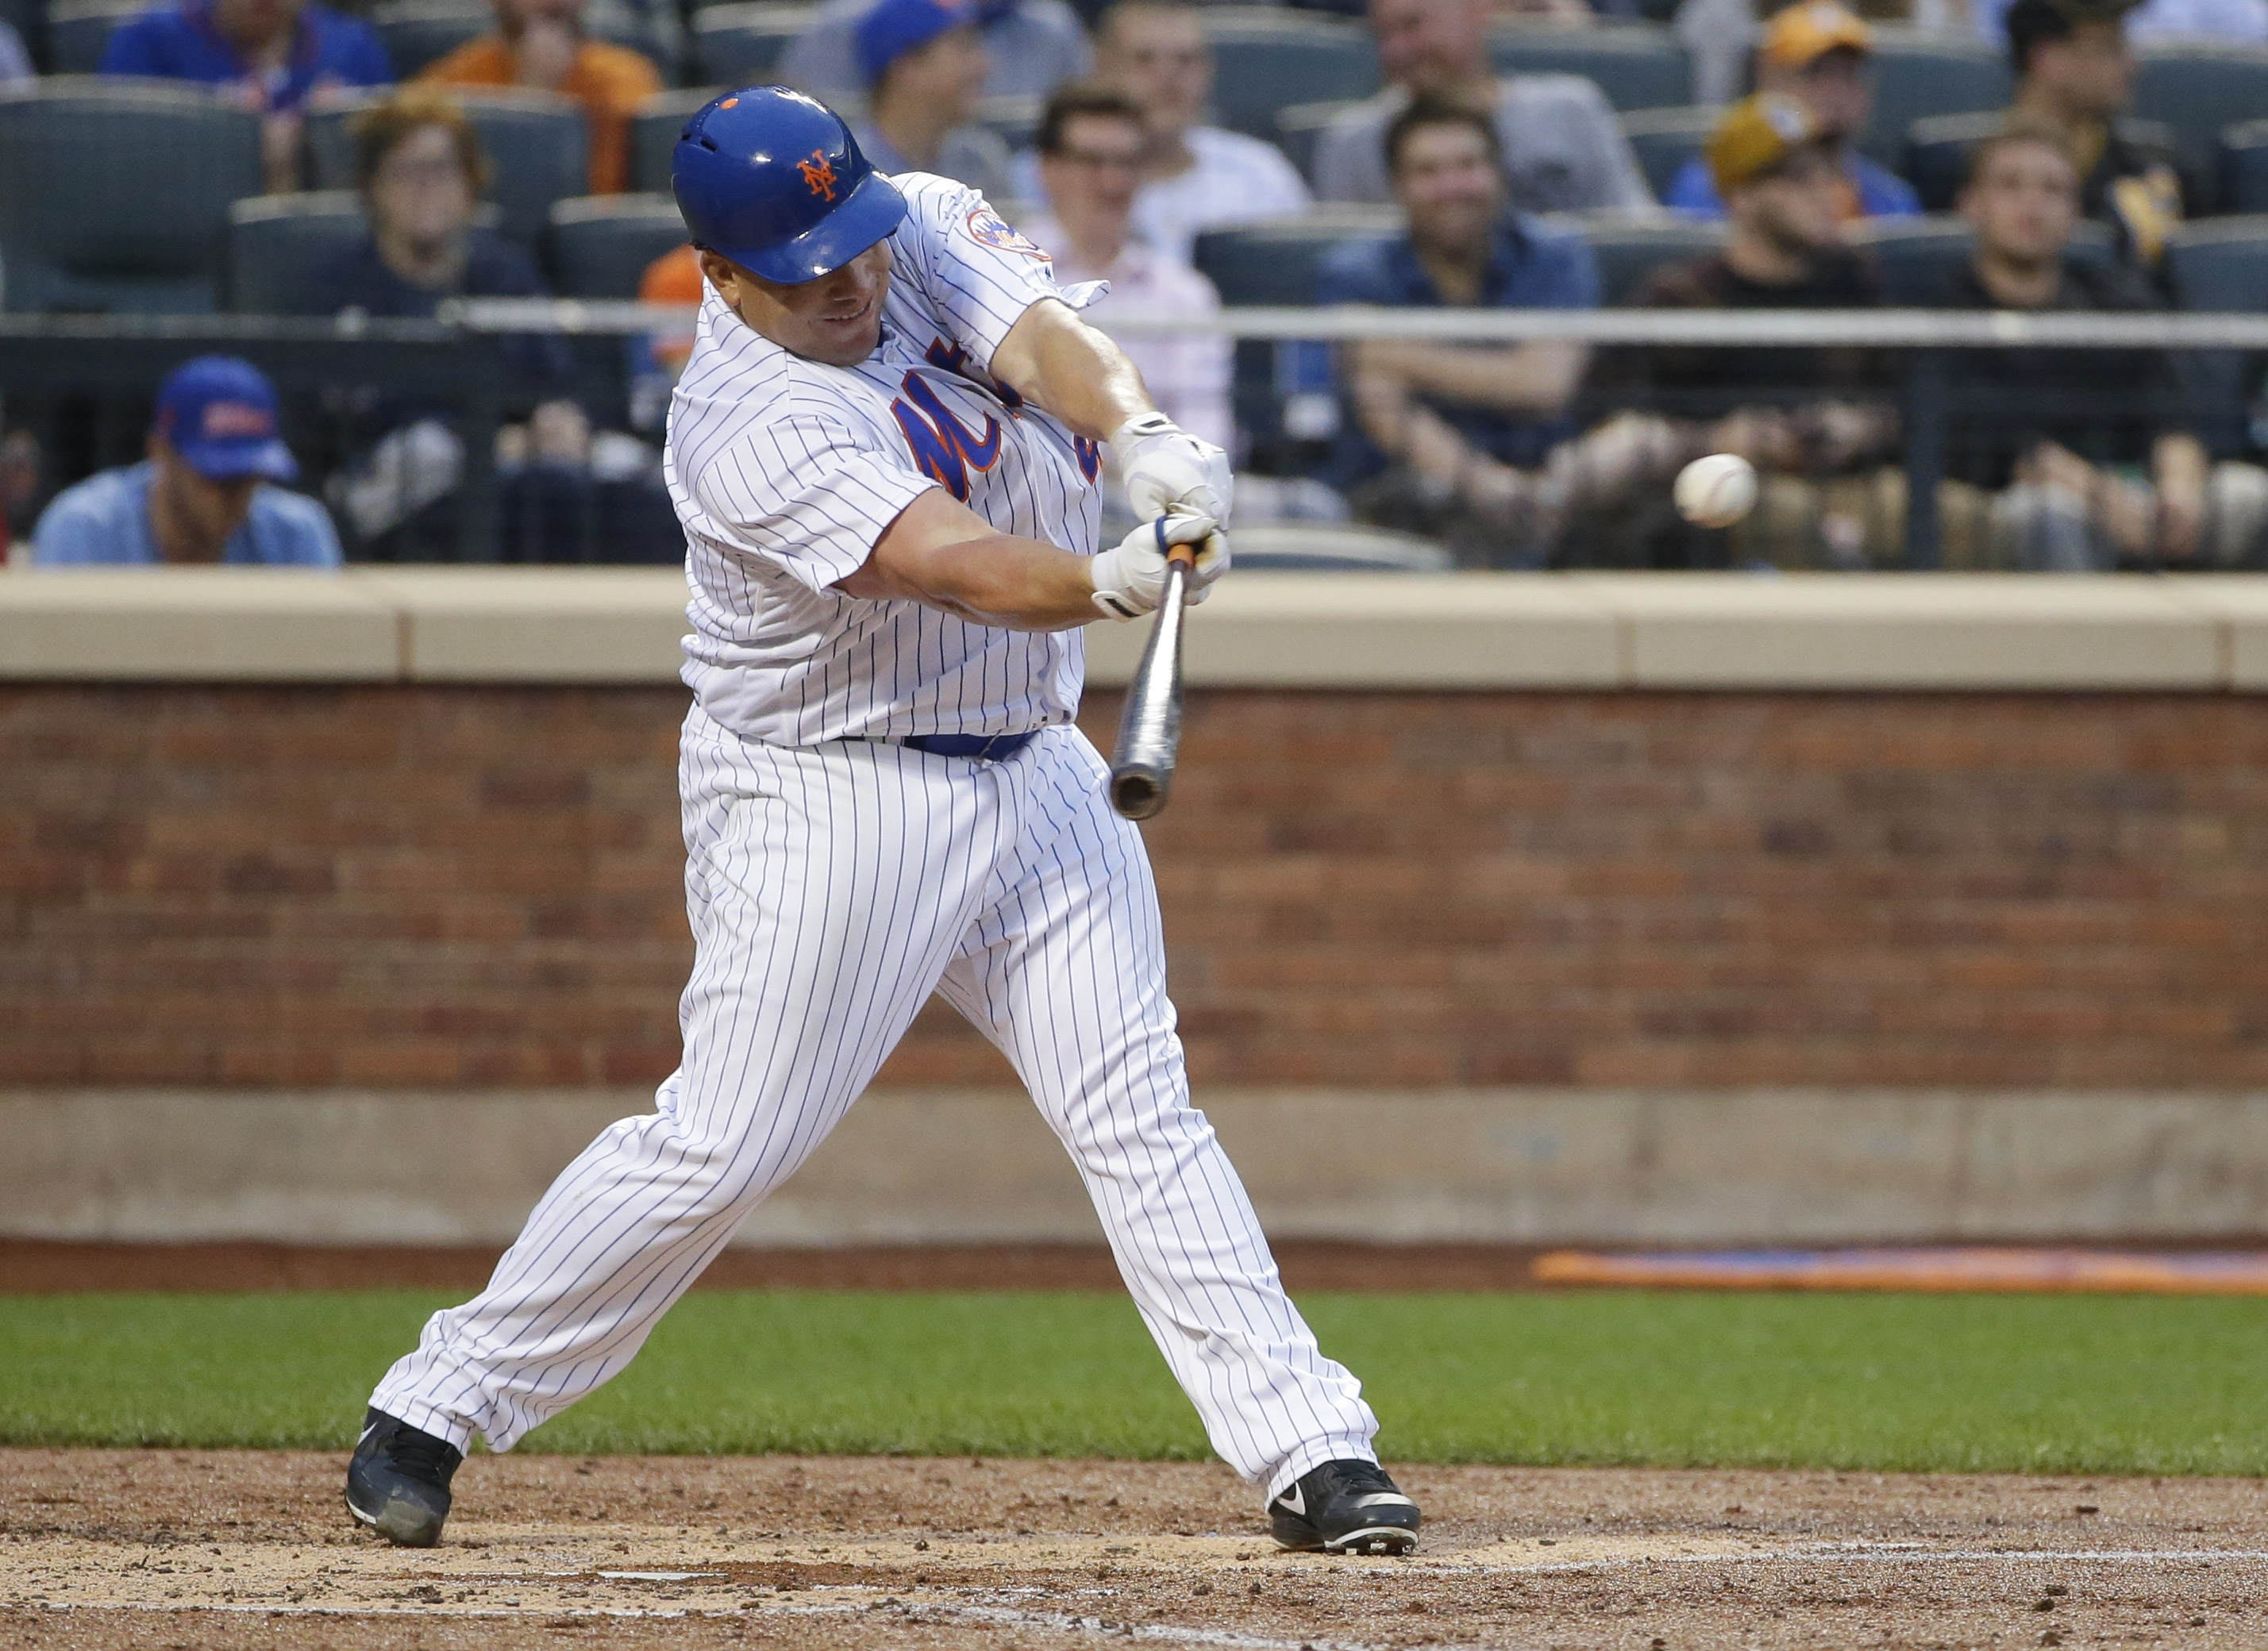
(941, 554)
(1053, 359)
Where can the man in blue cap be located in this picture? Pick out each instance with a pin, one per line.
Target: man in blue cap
(924, 63)
(200, 497)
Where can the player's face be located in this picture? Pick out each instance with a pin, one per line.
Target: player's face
(2024, 204)
(1159, 58)
(837, 319)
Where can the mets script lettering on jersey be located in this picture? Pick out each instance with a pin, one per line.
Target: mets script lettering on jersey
(786, 472)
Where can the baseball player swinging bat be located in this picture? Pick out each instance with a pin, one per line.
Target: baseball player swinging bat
(1150, 728)
(892, 550)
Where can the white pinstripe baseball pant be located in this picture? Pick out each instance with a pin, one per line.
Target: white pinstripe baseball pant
(831, 889)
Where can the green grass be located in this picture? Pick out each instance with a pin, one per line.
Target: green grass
(2090, 1384)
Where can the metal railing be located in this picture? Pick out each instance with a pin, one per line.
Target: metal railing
(84, 383)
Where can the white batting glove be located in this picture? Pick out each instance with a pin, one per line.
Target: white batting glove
(1166, 468)
(1129, 578)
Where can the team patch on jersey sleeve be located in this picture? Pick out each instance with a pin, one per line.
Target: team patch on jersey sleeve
(987, 228)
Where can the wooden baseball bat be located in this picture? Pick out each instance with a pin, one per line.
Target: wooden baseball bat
(1150, 728)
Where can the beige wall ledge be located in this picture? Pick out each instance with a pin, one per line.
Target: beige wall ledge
(978, 1166)
(1804, 632)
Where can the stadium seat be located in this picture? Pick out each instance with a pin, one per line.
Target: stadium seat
(537, 142)
(1628, 248)
(78, 31)
(741, 45)
(1639, 66)
(1665, 139)
(1280, 383)
(275, 242)
(1270, 58)
(653, 134)
(1275, 262)
(1921, 75)
(1917, 254)
(1299, 126)
(1937, 155)
(2243, 168)
(2221, 263)
(160, 161)
(601, 245)
(2195, 89)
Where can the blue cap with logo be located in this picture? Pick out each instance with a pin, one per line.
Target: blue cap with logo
(218, 412)
(894, 27)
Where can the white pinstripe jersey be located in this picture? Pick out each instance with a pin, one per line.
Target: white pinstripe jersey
(784, 472)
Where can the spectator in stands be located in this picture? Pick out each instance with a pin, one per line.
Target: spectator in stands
(270, 55)
(1091, 144)
(2075, 75)
(1446, 437)
(2083, 453)
(1562, 152)
(421, 168)
(1031, 47)
(658, 359)
(15, 61)
(1816, 52)
(540, 43)
(1806, 416)
(924, 64)
(1194, 177)
(202, 495)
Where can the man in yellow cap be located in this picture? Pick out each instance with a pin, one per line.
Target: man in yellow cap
(1817, 53)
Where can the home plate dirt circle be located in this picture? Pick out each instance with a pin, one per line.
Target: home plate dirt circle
(227, 1548)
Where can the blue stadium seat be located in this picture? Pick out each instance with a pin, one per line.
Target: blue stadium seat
(1665, 139)
(1270, 58)
(538, 148)
(78, 31)
(741, 45)
(277, 243)
(1918, 76)
(2244, 169)
(601, 245)
(653, 134)
(1639, 66)
(2221, 263)
(1628, 248)
(1936, 159)
(1917, 254)
(160, 161)
(1275, 262)
(2195, 90)
(1299, 126)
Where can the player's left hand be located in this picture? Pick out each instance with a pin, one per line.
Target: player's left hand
(1166, 468)
(1129, 578)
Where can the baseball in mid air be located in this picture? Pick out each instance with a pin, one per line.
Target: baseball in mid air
(1716, 491)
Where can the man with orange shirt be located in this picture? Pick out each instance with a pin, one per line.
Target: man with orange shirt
(540, 43)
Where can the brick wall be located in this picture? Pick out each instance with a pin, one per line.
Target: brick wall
(424, 886)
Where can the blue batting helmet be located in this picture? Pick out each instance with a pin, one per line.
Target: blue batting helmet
(775, 181)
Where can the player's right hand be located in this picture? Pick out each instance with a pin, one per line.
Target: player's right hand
(1129, 578)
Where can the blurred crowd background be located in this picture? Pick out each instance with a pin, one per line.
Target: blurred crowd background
(257, 159)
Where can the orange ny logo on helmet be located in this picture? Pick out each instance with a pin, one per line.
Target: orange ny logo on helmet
(818, 173)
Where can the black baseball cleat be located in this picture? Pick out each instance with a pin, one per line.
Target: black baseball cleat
(398, 1482)
(1344, 1507)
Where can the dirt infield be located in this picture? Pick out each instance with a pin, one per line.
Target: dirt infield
(191, 1550)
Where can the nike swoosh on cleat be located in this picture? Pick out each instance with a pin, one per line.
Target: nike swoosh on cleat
(366, 1432)
(1294, 1501)
(1384, 1498)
